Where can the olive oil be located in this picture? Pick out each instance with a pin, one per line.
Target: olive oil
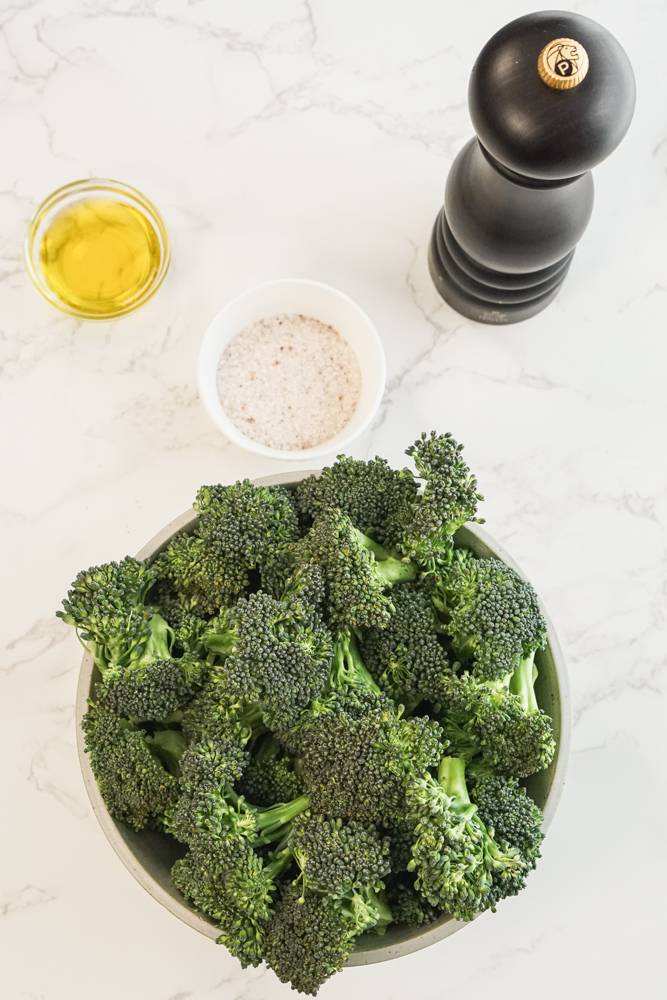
(98, 255)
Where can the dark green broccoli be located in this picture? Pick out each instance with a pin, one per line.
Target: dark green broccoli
(357, 755)
(407, 905)
(238, 899)
(510, 815)
(368, 492)
(491, 615)
(356, 571)
(336, 856)
(270, 776)
(491, 719)
(276, 655)
(204, 578)
(406, 657)
(422, 528)
(247, 522)
(458, 864)
(106, 606)
(131, 768)
(310, 935)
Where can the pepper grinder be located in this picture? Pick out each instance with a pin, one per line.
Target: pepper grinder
(551, 95)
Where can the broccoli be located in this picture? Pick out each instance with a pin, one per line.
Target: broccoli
(490, 613)
(458, 864)
(423, 527)
(360, 763)
(270, 776)
(356, 571)
(106, 606)
(510, 815)
(204, 578)
(507, 729)
(130, 768)
(367, 492)
(311, 934)
(407, 905)
(275, 654)
(336, 856)
(406, 657)
(246, 522)
(238, 900)
(131, 645)
(280, 688)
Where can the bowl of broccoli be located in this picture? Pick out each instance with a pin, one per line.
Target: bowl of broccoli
(322, 717)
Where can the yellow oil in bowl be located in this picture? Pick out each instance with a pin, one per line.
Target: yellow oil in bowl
(97, 249)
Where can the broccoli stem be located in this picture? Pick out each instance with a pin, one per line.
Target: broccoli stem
(347, 667)
(522, 683)
(390, 569)
(271, 821)
(452, 777)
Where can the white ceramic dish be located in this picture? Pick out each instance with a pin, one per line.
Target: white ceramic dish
(308, 298)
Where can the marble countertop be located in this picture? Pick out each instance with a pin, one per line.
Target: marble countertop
(312, 139)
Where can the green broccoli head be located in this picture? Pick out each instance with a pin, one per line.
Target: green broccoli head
(277, 655)
(369, 493)
(406, 657)
(360, 765)
(132, 778)
(336, 856)
(423, 527)
(204, 578)
(407, 905)
(457, 863)
(490, 613)
(237, 899)
(356, 572)
(245, 522)
(507, 809)
(310, 935)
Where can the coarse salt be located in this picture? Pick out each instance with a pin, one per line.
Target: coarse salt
(289, 381)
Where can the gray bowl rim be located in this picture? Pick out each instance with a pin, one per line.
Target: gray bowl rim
(379, 952)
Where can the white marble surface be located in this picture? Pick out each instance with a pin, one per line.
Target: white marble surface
(312, 139)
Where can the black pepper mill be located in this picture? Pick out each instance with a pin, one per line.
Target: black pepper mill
(551, 95)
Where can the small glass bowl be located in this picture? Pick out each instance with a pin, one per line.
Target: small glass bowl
(85, 190)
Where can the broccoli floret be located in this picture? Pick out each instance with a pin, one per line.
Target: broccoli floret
(310, 935)
(129, 768)
(487, 718)
(106, 606)
(422, 528)
(148, 684)
(510, 815)
(356, 571)
(238, 900)
(368, 492)
(490, 613)
(247, 522)
(277, 655)
(211, 711)
(407, 905)
(204, 578)
(406, 657)
(457, 863)
(336, 856)
(270, 776)
(357, 755)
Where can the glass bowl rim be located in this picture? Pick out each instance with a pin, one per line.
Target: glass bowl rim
(49, 207)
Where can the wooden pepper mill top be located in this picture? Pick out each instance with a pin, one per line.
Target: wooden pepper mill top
(551, 95)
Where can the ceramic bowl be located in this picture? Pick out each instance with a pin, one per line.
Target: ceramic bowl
(306, 298)
(149, 855)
